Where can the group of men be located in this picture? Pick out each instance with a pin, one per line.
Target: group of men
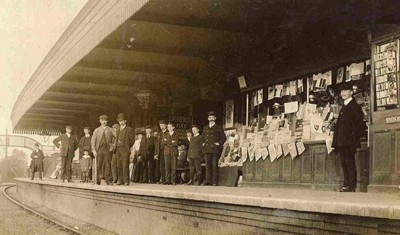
(154, 159)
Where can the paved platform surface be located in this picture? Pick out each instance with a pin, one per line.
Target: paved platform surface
(375, 205)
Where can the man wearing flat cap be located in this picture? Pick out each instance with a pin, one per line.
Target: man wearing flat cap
(102, 144)
(146, 151)
(159, 151)
(69, 143)
(124, 142)
(346, 139)
(213, 140)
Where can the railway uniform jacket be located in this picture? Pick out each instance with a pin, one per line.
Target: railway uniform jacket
(195, 147)
(98, 133)
(37, 161)
(170, 143)
(349, 126)
(65, 143)
(212, 135)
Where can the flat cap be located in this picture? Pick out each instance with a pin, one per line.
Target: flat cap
(103, 117)
(211, 113)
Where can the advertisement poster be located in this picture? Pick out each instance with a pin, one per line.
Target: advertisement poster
(229, 112)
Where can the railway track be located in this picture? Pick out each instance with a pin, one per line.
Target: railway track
(66, 228)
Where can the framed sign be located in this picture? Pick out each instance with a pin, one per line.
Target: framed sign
(229, 112)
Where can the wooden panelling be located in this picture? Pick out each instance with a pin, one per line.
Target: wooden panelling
(381, 151)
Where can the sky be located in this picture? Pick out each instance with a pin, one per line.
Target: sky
(29, 29)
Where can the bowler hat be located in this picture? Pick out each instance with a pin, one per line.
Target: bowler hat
(211, 113)
(68, 126)
(148, 127)
(346, 86)
(162, 122)
(86, 127)
(121, 117)
(103, 117)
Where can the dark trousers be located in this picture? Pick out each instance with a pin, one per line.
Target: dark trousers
(348, 166)
(170, 168)
(123, 165)
(148, 169)
(103, 161)
(211, 167)
(33, 175)
(161, 165)
(195, 169)
(156, 170)
(114, 165)
(66, 162)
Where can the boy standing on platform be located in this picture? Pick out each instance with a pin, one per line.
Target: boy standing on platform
(102, 141)
(85, 145)
(86, 164)
(69, 143)
(146, 151)
(195, 156)
(213, 140)
(37, 157)
(170, 142)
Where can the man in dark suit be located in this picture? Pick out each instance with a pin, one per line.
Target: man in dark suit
(170, 142)
(213, 140)
(69, 143)
(124, 142)
(159, 150)
(346, 139)
(102, 144)
(146, 151)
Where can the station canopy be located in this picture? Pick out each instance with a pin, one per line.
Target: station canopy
(124, 56)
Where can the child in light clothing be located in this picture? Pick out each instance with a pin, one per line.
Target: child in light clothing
(86, 163)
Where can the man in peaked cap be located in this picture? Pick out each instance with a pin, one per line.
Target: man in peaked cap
(102, 144)
(124, 142)
(346, 138)
(69, 143)
(213, 140)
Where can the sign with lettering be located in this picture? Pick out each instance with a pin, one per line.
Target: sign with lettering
(392, 119)
(182, 123)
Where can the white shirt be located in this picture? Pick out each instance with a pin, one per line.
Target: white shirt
(87, 136)
(171, 133)
(211, 125)
(69, 135)
(346, 102)
(196, 134)
(122, 127)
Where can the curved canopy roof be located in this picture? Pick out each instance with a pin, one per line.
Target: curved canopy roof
(115, 50)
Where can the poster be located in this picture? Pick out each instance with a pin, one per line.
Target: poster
(291, 107)
(279, 151)
(229, 113)
(257, 153)
(244, 153)
(271, 92)
(340, 74)
(285, 149)
(250, 150)
(264, 152)
(272, 152)
(292, 150)
(300, 147)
